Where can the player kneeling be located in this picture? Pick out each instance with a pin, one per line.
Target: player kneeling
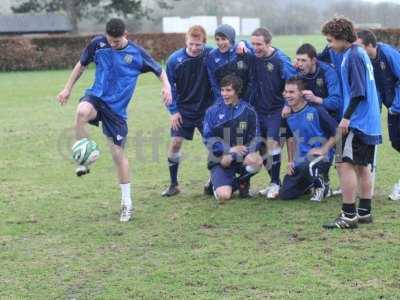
(231, 134)
(312, 130)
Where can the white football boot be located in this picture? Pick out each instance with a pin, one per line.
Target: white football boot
(271, 191)
(318, 194)
(395, 195)
(126, 213)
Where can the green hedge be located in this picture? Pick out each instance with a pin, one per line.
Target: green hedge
(388, 35)
(63, 51)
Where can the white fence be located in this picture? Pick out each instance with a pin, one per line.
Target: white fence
(242, 26)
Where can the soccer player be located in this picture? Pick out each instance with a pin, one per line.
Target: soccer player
(322, 88)
(360, 126)
(310, 133)
(225, 60)
(119, 62)
(191, 96)
(386, 62)
(270, 67)
(330, 56)
(231, 134)
(322, 83)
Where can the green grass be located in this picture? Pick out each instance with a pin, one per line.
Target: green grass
(60, 237)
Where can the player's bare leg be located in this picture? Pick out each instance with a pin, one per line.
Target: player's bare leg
(122, 165)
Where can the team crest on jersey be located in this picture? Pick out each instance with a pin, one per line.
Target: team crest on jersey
(221, 116)
(310, 117)
(243, 125)
(383, 65)
(320, 82)
(241, 65)
(128, 59)
(217, 60)
(270, 67)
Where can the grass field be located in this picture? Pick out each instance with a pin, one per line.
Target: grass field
(60, 236)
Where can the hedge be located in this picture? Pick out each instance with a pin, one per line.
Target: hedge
(388, 35)
(63, 51)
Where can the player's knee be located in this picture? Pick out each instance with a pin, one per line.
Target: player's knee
(119, 156)
(223, 194)
(84, 112)
(176, 145)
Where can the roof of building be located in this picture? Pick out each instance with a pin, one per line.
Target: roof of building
(29, 23)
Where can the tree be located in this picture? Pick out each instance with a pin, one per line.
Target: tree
(79, 9)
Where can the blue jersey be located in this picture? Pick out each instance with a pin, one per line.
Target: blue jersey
(358, 82)
(325, 83)
(387, 76)
(117, 72)
(311, 127)
(226, 126)
(221, 64)
(332, 57)
(268, 75)
(191, 94)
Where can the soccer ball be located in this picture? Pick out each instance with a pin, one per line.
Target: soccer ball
(85, 152)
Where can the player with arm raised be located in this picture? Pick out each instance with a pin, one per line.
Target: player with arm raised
(118, 62)
(269, 68)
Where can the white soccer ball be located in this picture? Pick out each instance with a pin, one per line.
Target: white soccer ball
(85, 152)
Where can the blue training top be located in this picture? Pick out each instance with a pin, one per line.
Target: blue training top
(221, 64)
(117, 71)
(325, 83)
(226, 126)
(311, 127)
(358, 82)
(387, 76)
(191, 93)
(268, 75)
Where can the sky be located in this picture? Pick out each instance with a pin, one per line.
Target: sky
(377, 1)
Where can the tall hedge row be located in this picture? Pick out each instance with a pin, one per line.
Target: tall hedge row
(389, 35)
(63, 51)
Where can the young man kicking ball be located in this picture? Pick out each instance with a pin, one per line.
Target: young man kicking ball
(386, 62)
(360, 126)
(310, 132)
(119, 62)
(231, 134)
(191, 96)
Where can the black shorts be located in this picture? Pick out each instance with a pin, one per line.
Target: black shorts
(187, 128)
(394, 130)
(355, 151)
(113, 125)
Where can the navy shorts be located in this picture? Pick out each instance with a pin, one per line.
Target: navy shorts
(295, 186)
(187, 128)
(394, 130)
(113, 125)
(270, 125)
(221, 176)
